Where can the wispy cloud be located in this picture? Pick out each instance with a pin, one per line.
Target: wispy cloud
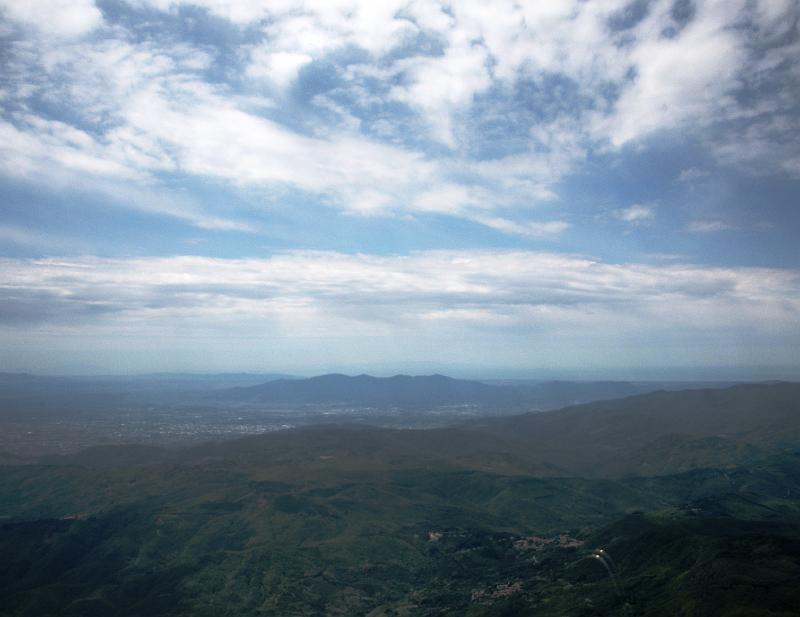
(26, 237)
(692, 173)
(529, 229)
(666, 256)
(137, 109)
(705, 227)
(636, 214)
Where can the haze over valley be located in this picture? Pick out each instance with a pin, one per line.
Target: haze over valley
(59, 415)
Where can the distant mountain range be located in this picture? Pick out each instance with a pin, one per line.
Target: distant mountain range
(431, 390)
(25, 394)
(400, 390)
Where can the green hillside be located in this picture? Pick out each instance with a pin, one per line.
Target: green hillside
(459, 521)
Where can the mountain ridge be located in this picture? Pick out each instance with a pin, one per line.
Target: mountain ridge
(365, 389)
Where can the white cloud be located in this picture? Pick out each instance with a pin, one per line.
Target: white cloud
(153, 113)
(666, 256)
(687, 78)
(240, 12)
(215, 139)
(441, 86)
(63, 18)
(36, 144)
(531, 175)
(139, 110)
(66, 157)
(295, 34)
(528, 229)
(446, 199)
(636, 213)
(164, 118)
(279, 67)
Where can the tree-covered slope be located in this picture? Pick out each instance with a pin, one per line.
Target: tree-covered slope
(471, 520)
(217, 540)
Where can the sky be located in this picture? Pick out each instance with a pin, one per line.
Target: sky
(595, 189)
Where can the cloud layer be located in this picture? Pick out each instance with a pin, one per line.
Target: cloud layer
(542, 297)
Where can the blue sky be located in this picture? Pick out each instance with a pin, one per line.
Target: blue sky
(600, 189)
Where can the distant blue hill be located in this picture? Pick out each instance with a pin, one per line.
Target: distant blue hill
(405, 390)
(367, 390)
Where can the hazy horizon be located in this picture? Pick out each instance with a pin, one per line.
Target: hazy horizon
(672, 374)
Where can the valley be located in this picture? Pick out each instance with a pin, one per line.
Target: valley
(494, 516)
